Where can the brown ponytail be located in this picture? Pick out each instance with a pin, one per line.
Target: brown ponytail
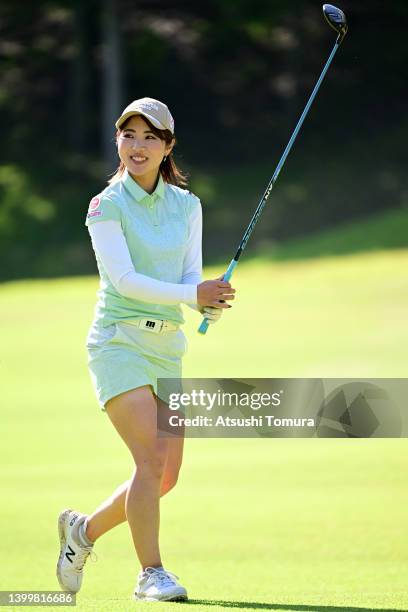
(168, 168)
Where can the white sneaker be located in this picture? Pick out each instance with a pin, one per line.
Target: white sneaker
(72, 554)
(157, 584)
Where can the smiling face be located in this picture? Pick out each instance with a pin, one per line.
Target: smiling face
(141, 151)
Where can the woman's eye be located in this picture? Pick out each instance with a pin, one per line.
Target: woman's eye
(130, 136)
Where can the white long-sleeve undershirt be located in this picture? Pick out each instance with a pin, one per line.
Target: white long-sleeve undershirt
(109, 243)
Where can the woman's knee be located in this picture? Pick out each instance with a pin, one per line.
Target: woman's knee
(151, 466)
(173, 464)
(169, 481)
(134, 415)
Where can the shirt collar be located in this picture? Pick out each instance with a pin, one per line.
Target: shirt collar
(140, 194)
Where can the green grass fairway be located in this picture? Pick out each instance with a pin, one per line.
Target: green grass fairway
(275, 524)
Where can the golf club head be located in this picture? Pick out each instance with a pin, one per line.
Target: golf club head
(336, 19)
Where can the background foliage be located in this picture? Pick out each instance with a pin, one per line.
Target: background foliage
(236, 75)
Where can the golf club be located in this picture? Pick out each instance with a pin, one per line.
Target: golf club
(337, 20)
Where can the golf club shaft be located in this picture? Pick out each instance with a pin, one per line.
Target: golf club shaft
(204, 324)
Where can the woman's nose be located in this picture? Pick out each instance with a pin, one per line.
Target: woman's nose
(136, 145)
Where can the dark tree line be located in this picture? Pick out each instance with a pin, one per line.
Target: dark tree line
(236, 75)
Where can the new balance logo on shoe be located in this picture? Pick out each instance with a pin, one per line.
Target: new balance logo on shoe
(70, 553)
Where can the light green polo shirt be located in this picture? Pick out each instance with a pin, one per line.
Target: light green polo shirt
(156, 228)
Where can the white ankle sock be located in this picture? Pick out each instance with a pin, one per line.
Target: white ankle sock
(85, 541)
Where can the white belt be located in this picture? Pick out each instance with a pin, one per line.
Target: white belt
(157, 326)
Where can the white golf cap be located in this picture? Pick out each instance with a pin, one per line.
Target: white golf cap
(152, 109)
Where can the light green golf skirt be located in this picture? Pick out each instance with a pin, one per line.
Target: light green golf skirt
(122, 357)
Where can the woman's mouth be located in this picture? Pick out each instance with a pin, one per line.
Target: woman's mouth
(139, 160)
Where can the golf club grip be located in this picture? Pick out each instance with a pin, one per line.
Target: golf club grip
(203, 327)
(204, 323)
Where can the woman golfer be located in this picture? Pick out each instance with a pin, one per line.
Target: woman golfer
(146, 234)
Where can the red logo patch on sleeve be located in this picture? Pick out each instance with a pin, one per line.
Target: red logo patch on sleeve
(94, 203)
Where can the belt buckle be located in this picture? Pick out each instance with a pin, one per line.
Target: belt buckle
(152, 325)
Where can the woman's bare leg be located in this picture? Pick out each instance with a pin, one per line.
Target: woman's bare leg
(134, 415)
(111, 512)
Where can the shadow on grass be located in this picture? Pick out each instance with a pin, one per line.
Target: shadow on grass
(269, 606)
